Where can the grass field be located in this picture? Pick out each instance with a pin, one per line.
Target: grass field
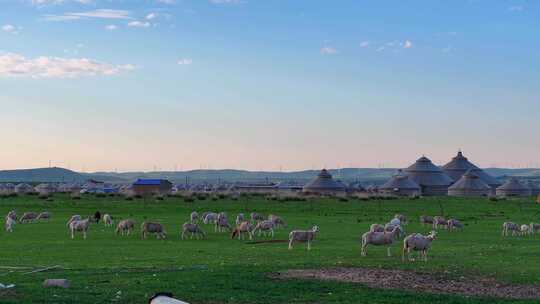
(110, 269)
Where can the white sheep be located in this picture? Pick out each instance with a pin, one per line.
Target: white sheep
(454, 224)
(510, 226)
(440, 221)
(277, 221)
(239, 218)
(402, 218)
(418, 242)
(534, 228)
(210, 218)
(153, 227)
(192, 229)
(389, 227)
(10, 223)
(125, 226)
(194, 217)
(266, 227)
(255, 217)
(242, 229)
(376, 228)
(379, 239)
(75, 217)
(107, 220)
(79, 226)
(524, 229)
(28, 217)
(222, 225)
(12, 214)
(426, 220)
(302, 236)
(44, 216)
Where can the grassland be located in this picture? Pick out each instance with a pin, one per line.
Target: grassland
(110, 269)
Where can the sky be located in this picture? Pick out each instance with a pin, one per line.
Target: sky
(124, 85)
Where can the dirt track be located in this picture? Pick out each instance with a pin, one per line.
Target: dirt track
(415, 282)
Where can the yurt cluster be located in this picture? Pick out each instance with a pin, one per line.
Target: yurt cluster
(459, 178)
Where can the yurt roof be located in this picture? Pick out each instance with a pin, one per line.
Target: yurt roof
(470, 181)
(460, 164)
(324, 181)
(425, 173)
(400, 181)
(22, 186)
(513, 184)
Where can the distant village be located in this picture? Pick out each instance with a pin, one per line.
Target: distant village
(459, 177)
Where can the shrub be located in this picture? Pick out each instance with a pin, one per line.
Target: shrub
(76, 196)
(188, 199)
(100, 195)
(129, 198)
(43, 196)
(159, 197)
(343, 199)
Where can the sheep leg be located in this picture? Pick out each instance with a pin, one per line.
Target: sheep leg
(309, 245)
(291, 244)
(84, 235)
(72, 234)
(388, 251)
(272, 233)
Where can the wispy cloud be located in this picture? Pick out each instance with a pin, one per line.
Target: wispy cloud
(166, 1)
(328, 50)
(365, 44)
(16, 65)
(50, 2)
(185, 61)
(94, 14)
(226, 1)
(11, 29)
(139, 24)
(516, 8)
(111, 27)
(407, 44)
(151, 16)
(395, 45)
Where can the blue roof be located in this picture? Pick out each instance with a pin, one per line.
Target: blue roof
(148, 181)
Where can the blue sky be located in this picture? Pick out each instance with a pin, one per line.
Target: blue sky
(261, 84)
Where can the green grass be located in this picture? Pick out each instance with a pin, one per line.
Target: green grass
(110, 269)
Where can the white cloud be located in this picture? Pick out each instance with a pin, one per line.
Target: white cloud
(364, 44)
(166, 1)
(327, 50)
(16, 65)
(98, 13)
(407, 44)
(225, 1)
(49, 2)
(185, 61)
(111, 27)
(516, 8)
(151, 16)
(139, 24)
(8, 28)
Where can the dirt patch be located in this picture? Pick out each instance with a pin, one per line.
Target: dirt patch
(416, 282)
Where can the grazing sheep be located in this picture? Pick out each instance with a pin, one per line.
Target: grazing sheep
(379, 239)
(153, 227)
(242, 229)
(28, 217)
(44, 216)
(239, 218)
(222, 216)
(222, 225)
(80, 226)
(524, 229)
(266, 227)
(426, 220)
(510, 226)
(302, 236)
(376, 228)
(255, 217)
(10, 223)
(389, 228)
(277, 221)
(454, 224)
(534, 228)
(402, 218)
(210, 218)
(107, 220)
(194, 217)
(418, 242)
(75, 217)
(193, 229)
(125, 226)
(395, 222)
(439, 221)
(12, 214)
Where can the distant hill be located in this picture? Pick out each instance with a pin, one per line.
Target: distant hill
(364, 175)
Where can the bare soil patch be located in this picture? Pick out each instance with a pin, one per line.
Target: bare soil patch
(417, 282)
